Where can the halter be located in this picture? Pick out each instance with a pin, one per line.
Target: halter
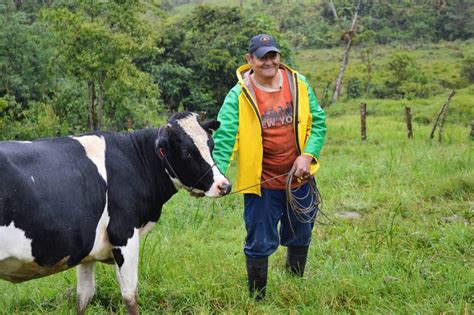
(173, 173)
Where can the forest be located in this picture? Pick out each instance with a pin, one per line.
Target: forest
(71, 66)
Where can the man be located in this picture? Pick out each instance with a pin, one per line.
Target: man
(273, 122)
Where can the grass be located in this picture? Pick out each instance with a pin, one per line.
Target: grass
(411, 252)
(402, 256)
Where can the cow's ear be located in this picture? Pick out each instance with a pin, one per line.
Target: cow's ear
(162, 142)
(211, 125)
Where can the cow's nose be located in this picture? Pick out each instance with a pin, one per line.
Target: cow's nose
(224, 188)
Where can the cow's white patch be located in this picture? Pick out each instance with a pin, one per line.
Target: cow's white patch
(14, 244)
(95, 151)
(32, 179)
(102, 247)
(127, 274)
(199, 137)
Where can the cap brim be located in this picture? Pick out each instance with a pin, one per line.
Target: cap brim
(262, 51)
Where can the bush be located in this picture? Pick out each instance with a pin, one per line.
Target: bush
(355, 87)
(405, 79)
(467, 69)
(38, 121)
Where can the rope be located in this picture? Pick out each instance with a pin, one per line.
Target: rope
(234, 192)
(304, 214)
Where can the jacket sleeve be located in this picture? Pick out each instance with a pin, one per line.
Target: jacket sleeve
(225, 136)
(318, 125)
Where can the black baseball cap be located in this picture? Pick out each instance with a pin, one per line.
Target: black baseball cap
(261, 44)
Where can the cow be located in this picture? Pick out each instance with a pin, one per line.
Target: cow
(74, 201)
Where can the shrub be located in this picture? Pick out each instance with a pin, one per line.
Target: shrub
(467, 69)
(355, 87)
(405, 78)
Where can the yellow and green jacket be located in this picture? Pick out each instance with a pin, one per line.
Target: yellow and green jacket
(240, 132)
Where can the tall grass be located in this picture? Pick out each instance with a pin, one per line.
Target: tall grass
(402, 256)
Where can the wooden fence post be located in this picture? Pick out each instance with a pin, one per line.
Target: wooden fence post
(408, 120)
(363, 127)
(443, 109)
(472, 129)
(441, 124)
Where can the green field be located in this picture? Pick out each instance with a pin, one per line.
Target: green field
(412, 250)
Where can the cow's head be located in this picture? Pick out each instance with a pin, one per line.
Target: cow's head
(185, 147)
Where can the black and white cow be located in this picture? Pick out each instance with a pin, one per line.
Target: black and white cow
(72, 201)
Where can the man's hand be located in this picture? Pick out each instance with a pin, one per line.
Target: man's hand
(302, 166)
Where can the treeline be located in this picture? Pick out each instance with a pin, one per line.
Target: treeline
(73, 66)
(321, 23)
(69, 66)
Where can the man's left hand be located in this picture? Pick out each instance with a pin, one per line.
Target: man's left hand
(302, 166)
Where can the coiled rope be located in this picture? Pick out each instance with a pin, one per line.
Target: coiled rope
(303, 213)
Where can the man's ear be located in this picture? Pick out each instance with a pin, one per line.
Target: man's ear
(211, 125)
(162, 146)
(248, 58)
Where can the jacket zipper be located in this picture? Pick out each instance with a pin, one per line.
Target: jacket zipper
(295, 114)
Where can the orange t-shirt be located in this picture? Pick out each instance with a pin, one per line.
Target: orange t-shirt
(279, 147)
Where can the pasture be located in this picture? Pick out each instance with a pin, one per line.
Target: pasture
(410, 252)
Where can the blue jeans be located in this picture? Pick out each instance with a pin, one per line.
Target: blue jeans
(262, 215)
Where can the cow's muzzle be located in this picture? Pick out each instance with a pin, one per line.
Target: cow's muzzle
(224, 188)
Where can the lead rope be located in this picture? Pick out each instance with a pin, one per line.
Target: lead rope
(234, 192)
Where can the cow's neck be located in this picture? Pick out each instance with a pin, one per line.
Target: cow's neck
(160, 182)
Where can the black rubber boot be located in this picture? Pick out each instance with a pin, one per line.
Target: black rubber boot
(257, 270)
(296, 259)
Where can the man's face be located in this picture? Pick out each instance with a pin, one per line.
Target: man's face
(265, 68)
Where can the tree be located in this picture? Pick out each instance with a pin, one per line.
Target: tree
(200, 53)
(24, 56)
(457, 20)
(97, 44)
(347, 37)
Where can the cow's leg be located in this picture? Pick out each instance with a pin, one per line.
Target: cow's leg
(85, 285)
(126, 264)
